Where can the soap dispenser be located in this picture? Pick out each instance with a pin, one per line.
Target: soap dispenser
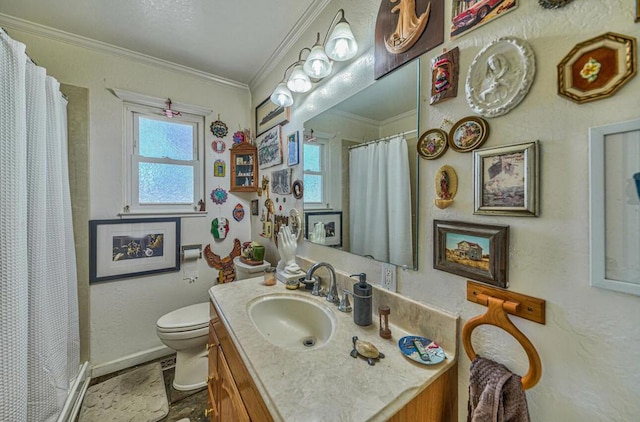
(362, 294)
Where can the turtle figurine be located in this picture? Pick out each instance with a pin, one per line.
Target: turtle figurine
(367, 350)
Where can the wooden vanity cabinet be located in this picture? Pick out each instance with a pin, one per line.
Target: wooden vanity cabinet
(244, 168)
(232, 393)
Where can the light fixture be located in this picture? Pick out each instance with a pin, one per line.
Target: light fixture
(282, 96)
(339, 45)
(318, 65)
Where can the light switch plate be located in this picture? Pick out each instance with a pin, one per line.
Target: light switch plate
(388, 278)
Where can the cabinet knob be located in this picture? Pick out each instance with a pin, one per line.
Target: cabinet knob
(209, 346)
(211, 410)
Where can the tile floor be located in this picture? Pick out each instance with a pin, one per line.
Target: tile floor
(182, 404)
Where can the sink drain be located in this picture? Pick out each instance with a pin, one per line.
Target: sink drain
(309, 341)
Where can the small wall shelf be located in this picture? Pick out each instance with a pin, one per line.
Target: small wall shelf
(244, 168)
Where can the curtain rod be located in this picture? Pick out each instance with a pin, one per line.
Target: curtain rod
(386, 138)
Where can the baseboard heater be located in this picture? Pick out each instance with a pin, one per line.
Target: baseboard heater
(71, 407)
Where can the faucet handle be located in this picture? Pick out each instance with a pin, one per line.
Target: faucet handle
(344, 305)
(316, 286)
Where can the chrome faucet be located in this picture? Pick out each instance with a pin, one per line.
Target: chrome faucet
(332, 295)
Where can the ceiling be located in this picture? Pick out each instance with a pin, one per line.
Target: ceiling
(235, 40)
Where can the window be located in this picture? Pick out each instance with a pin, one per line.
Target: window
(164, 161)
(314, 177)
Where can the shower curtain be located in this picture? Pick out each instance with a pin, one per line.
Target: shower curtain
(39, 337)
(380, 201)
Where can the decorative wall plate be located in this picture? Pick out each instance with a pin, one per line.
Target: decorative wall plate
(432, 144)
(219, 167)
(219, 128)
(500, 76)
(468, 134)
(554, 4)
(218, 146)
(297, 189)
(219, 196)
(597, 68)
(238, 212)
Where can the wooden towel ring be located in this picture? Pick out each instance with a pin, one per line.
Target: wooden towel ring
(496, 315)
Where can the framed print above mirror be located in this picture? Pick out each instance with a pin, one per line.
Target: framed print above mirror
(467, 16)
(269, 115)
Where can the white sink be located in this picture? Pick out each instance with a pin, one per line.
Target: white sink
(292, 321)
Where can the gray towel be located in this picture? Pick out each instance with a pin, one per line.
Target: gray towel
(495, 394)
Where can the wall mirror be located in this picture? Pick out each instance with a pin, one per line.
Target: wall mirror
(614, 191)
(361, 171)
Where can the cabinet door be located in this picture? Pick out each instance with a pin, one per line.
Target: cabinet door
(230, 405)
(211, 411)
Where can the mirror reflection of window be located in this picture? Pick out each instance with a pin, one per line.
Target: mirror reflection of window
(313, 174)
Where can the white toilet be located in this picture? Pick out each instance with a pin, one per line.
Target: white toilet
(244, 271)
(186, 330)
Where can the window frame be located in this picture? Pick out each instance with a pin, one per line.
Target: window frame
(324, 159)
(132, 112)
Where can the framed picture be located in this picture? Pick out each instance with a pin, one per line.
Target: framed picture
(332, 221)
(432, 144)
(254, 207)
(468, 15)
(269, 148)
(281, 181)
(133, 247)
(269, 115)
(476, 251)
(293, 149)
(506, 180)
(219, 168)
(614, 199)
(468, 134)
(597, 68)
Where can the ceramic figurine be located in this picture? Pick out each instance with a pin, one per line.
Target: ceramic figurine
(367, 350)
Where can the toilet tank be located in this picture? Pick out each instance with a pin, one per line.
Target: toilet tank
(244, 271)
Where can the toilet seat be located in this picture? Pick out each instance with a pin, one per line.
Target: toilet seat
(189, 318)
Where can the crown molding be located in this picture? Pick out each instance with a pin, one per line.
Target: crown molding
(305, 21)
(7, 21)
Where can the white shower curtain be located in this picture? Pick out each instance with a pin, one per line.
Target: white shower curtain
(39, 337)
(380, 201)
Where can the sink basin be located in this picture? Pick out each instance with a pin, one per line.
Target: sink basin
(291, 321)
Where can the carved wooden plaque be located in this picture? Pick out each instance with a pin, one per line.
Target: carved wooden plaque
(406, 29)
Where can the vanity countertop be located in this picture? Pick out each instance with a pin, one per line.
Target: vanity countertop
(326, 383)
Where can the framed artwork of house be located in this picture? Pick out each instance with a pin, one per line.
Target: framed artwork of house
(476, 251)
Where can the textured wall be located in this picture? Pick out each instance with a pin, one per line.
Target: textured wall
(590, 345)
(123, 313)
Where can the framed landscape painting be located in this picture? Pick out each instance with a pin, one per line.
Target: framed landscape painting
(476, 251)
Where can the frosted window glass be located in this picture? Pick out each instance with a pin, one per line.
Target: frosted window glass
(312, 188)
(160, 139)
(165, 184)
(311, 158)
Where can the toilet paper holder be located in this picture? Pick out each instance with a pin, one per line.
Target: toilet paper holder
(185, 249)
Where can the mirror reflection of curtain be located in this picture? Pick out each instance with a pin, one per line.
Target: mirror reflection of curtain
(379, 174)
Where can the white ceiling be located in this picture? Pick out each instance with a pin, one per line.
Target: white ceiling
(233, 39)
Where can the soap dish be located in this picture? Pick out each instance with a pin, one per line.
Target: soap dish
(433, 353)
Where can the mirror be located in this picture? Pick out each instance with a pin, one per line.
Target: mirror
(361, 171)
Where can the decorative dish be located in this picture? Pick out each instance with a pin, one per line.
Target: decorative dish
(500, 76)
(421, 350)
(432, 144)
(597, 68)
(298, 189)
(468, 134)
(218, 146)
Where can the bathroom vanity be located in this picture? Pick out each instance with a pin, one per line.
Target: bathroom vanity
(254, 377)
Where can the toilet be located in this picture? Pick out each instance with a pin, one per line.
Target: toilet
(244, 271)
(186, 330)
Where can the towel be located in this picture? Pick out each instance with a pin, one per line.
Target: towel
(495, 394)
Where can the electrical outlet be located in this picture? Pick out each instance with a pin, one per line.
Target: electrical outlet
(388, 279)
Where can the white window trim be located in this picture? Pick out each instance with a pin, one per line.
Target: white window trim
(144, 104)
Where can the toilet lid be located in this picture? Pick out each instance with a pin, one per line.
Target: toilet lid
(190, 317)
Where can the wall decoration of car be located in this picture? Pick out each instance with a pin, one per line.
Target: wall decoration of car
(475, 13)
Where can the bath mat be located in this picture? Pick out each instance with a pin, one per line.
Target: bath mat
(138, 395)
